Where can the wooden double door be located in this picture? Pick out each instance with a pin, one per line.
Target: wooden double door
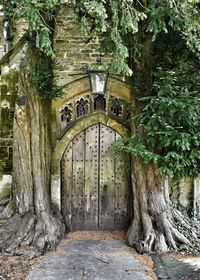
(96, 192)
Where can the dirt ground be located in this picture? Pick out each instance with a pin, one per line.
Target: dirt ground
(18, 267)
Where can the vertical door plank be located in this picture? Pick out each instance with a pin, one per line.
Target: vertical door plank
(106, 180)
(67, 185)
(78, 158)
(123, 197)
(91, 178)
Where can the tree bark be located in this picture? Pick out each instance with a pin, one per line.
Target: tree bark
(152, 229)
(33, 220)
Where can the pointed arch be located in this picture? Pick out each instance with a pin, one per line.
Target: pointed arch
(80, 126)
(71, 133)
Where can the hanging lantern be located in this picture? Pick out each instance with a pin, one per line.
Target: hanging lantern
(98, 76)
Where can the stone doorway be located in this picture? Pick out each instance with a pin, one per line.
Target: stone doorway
(95, 188)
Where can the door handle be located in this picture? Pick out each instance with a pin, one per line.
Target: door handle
(105, 188)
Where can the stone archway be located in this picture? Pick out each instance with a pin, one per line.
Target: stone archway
(96, 192)
(68, 122)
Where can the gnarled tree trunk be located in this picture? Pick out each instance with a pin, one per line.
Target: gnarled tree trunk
(33, 222)
(151, 229)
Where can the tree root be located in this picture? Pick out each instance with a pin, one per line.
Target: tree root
(157, 225)
(7, 210)
(42, 234)
(164, 233)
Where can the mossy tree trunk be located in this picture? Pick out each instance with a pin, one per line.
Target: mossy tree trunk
(152, 229)
(33, 221)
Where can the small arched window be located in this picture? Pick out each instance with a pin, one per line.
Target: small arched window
(82, 107)
(116, 107)
(66, 116)
(99, 103)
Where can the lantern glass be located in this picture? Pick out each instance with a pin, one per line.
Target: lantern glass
(98, 81)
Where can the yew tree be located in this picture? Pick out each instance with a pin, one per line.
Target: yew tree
(155, 46)
(31, 217)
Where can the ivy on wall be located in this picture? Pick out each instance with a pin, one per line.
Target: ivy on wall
(42, 78)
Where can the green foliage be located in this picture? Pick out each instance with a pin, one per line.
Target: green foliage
(140, 35)
(8, 8)
(38, 15)
(125, 25)
(169, 122)
(42, 79)
(119, 22)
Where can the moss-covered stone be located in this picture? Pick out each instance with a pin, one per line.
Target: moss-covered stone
(4, 89)
(8, 95)
(7, 115)
(3, 152)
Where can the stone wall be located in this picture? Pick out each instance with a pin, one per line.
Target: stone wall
(74, 52)
(7, 101)
(8, 94)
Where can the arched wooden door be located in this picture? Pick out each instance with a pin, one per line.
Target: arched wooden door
(96, 191)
